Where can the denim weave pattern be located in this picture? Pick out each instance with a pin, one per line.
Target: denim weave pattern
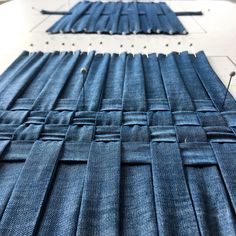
(119, 18)
(137, 145)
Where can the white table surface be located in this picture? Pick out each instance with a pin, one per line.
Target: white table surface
(214, 32)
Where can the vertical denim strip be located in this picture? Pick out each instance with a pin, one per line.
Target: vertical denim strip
(134, 90)
(174, 210)
(172, 19)
(76, 82)
(152, 18)
(29, 194)
(102, 25)
(16, 86)
(39, 82)
(212, 83)
(99, 214)
(113, 89)
(137, 208)
(114, 86)
(124, 25)
(225, 155)
(9, 172)
(213, 209)
(73, 18)
(177, 94)
(14, 68)
(115, 16)
(47, 98)
(133, 17)
(95, 81)
(164, 19)
(61, 214)
(99, 6)
(154, 83)
(190, 78)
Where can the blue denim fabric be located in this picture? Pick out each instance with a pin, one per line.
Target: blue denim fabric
(136, 146)
(119, 18)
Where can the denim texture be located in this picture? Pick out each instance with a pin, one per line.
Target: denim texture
(119, 18)
(138, 145)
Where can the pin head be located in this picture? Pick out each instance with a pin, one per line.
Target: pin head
(232, 74)
(83, 70)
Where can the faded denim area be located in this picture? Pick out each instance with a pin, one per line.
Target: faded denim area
(101, 144)
(119, 18)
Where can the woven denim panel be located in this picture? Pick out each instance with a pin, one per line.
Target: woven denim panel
(135, 146)
(119, 18)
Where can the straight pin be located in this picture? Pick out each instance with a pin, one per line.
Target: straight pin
(121, 46)
(193, 49)
(146, 52)
(62, 46)
(73, 48)
(232, 74)
(132, 46)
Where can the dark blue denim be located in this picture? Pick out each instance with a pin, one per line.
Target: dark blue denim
(136, 145)
(119, 18)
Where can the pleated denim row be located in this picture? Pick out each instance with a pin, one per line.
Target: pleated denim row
(119, 18)
(101, 144)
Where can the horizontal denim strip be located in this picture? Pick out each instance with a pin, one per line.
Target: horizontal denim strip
(193, 154)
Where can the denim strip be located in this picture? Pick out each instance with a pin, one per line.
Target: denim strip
(197, 154)
(152, 19)
(210, 200)
(28, 132)
(135, 133)
(69, 22)
(99, 214)
(225, 155)
(220, 134)
(134, 87)
(209, 79)
(116, 71)
(38, 83)
(137, 213)
(190, 133)
(190, 78)
(13, 117)
(31, 189)
(73, 88)
(9, 173)
(172, 199)
(13, 68)
(64, 201)
(95, 82)
(16, 86)
(178, 96)
(154, 83)
(95, 17)
(46, 99)
(115, 9)
(133, 17)
(230, 118)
